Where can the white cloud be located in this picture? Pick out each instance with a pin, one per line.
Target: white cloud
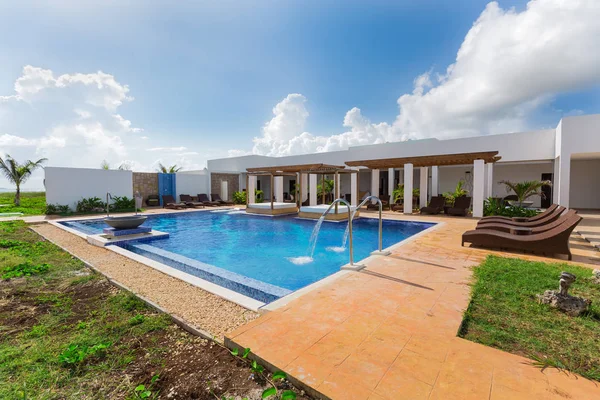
(509, 65)
(7, 140)
(167, 149)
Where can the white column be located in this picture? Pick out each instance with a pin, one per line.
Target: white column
(304, 186)
(224, 191)
(251, 188)
(556, 180)
(435, 181)
(312, 189)
(478, 187)
(408, 188)
(278, 183)
(489, 182)
(391, 187)
(375, 182)
(424, 178)
(354, 189)
(564, 180)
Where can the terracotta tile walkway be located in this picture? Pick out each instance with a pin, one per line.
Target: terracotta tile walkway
(389, 331)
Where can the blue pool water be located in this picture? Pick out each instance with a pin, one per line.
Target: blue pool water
(257, 251)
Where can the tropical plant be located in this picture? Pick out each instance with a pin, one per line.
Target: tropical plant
(168, 170)
(325, 187)
(123, 167)
(18, 173)
(259, 196)
(526, 189)
(122, 203)
(90, 204)
(495, 206)
(57, 209)
(398, 193)
(239, 197)
(458, 192)
(104, 164)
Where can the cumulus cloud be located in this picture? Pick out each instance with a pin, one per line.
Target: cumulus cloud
(509, 65)
(167, 149)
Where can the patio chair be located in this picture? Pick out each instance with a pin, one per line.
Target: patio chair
(189, 201)
(384, 205)
(503, 227)
(206, 201)
(499, 218)
(169, 202)
(553, 241)
(547, 218)
(153, 200)
(216, 198)
(461, 206)
(436, 205)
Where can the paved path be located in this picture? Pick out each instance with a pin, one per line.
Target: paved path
(589, 227)
(389, 331)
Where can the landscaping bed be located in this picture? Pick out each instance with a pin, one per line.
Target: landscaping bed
(32, 203)
(504, 313)
(66, 333)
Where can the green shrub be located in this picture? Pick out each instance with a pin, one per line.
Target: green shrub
(494, 206)
(239, 197)
(90, 204)
(10, 243)
(259, 196)
(122, 203)
(76, 354)
(24, 269)
(54, 209)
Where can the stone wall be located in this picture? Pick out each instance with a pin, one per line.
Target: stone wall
(233, 183)
(146, 183)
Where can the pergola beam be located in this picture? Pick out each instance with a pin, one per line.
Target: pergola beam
(427, 161)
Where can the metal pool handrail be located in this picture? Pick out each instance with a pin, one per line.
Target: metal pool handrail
(369, 198)
(340, 200)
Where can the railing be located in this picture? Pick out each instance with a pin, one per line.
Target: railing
(336, 201)
(371, 198)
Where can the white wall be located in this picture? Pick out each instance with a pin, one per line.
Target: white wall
(66, 186)
(191, 183)
(585, 184)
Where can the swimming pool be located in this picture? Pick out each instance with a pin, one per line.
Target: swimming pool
(260, 257)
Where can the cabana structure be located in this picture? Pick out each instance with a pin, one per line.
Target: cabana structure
(305, 193)
(477, 159)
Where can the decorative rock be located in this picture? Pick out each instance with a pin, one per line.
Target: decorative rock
(566, 279)
(571, 305)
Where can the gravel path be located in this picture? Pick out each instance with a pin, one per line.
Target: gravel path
(202, 309)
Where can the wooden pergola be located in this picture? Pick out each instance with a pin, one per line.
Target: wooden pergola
(297, 171)
(427, 161)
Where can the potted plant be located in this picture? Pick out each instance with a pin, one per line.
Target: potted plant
(525, 190)
(458, 192)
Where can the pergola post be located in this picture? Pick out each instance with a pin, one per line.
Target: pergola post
(279, 189)
(374, 183)
(354, 189)
(251, 188)
(303, 187)
(312, 189)
(478, 187)
(424, 178)
(271, 191)
(489, 183)
(391, 176)
(435, 181)
(322, 188)
(408, 188)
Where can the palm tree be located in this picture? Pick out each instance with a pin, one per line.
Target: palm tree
(18, 173)
(104, 164)
(168, 170)
(527, 189)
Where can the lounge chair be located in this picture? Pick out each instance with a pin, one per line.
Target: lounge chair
(499, 218)
(552, 216)
(384, 205)
(169, 202)
(189, 201)
(206, 201)
(503, 227)
(461, 206)
(152, 200)
(216, 198)
(436, 205)
(553, 241)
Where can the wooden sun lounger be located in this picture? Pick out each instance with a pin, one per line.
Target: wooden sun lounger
(436, 205)
(216, 198)
(553, 241)
(553, 216)
(461, 207)
(206, 201)
(503, 227)
(169, 202)
(189, 201)
(498, 218)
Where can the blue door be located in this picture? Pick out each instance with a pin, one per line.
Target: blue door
(166, 186)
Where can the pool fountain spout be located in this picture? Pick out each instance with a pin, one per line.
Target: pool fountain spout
(351, 266)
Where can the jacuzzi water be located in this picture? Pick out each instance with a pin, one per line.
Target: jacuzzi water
(261, 257)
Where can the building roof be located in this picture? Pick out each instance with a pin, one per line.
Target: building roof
(314, 168)
(427, 161)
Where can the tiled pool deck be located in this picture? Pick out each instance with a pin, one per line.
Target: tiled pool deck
(389, 331)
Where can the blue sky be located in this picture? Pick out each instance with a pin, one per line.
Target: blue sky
(206, 75)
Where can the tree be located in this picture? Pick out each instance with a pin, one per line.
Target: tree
(527, 189)
(18, 173)
(104, 164)
(398, 193)
(123, 167)
(168, 170)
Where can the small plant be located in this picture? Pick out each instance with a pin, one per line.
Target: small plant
(458, 192)
(75, 354)
(90, 204)
(259, 196)
(527, 189)
(10, 243)
(24, 269)
(494, 206)
(239, 197)
(143, 392)
(122, 203)
(398, 193)
(137, 319)
(55, 209)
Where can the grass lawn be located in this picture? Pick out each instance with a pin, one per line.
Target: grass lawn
(32, 203)
(504, 313)
(66, 333)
